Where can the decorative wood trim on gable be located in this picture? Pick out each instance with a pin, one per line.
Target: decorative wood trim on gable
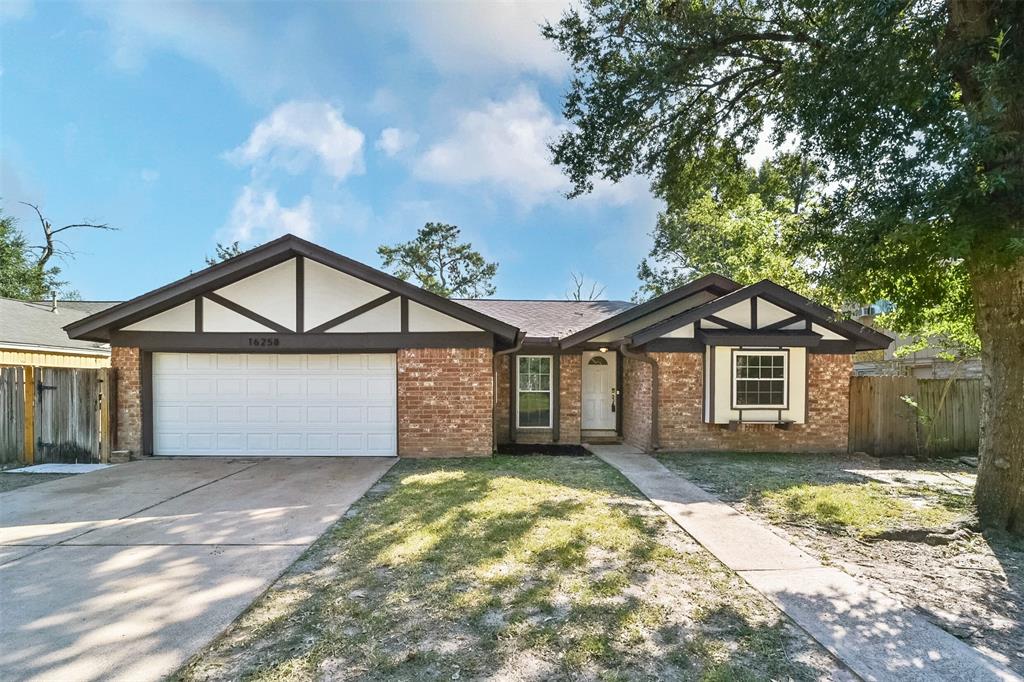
(351, 314)
(100, 326)
(245, 312)
(300, 294)
(781, 324)
(199, 313)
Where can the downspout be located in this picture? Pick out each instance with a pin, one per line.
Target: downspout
(520, 337)
(626, 350)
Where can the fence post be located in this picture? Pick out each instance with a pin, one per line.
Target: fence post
(106, 388)
(30, 415)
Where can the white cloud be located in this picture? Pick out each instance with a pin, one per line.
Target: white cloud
(296, 133)
(257, 216)
(11, 10)
(504, 144)
(392, 141)
(485, 37)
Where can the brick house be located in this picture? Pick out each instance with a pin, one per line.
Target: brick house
(292, 349)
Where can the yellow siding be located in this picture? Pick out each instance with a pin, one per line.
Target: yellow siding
(38, 359)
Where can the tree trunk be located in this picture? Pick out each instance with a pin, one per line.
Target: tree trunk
(999, 306)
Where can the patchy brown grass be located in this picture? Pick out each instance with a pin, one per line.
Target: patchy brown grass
(509, 568)
(839, 508)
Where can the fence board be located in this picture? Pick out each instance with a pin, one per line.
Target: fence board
(883, 424)
(67, 415)
(12, 415)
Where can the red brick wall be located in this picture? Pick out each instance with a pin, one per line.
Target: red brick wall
(636, 402)
(444, 402)
(681, 425)
(126, 362)
(570, 398)
(569, 404)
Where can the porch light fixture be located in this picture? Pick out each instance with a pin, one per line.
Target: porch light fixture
(603, 349)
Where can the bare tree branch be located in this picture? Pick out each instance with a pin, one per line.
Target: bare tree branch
(579, 285)
(49, 249)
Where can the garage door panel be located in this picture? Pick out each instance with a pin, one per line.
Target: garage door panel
(274, 404)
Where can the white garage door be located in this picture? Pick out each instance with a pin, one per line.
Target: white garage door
(232, 404)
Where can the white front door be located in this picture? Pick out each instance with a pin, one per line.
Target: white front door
(238, 404)
(599, 391)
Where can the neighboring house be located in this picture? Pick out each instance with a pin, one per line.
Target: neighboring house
(292, 349)
(926, 363)
(32, 333)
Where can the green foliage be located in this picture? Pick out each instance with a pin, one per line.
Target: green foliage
(742, 227)
(913, 108)
(224, 252)
(439, 263)
(20, 275)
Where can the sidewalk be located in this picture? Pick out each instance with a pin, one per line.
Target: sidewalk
(874, 634)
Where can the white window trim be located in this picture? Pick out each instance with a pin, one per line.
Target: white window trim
(550, 391)
(785, 379)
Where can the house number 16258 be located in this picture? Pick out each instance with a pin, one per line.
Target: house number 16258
(264, 341)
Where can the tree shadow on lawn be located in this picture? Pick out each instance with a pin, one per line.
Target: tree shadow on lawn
(498, 568)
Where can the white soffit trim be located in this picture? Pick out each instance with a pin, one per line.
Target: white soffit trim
(270, 293)
(217, 318)
(424, 319)
(181, 318)
(386, 317)
(330, 293)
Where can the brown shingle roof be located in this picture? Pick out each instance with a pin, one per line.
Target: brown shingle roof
(546, 319)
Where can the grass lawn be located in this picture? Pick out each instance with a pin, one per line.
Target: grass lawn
(509, 568)
(871, 518)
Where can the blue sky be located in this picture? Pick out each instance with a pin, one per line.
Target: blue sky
(184, 124)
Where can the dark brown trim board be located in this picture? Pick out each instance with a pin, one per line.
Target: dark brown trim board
(269, 342)
(300, 294)
(674, 346)
(199, 313)
(245, 312)
(556, 402)
(619, 394)
(715, 337)
(146, 388)
(355, 312)
(404, 314)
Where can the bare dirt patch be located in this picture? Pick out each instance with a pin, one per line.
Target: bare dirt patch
(9, 481)
(510, 568)
(900, 523)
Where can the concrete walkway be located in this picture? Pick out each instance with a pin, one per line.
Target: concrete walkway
(124, 573)
(871, 632)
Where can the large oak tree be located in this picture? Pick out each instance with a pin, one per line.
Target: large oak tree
(914, 107)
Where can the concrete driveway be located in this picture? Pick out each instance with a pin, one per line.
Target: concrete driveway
(126, 572)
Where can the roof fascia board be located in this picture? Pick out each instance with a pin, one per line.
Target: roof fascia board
(714, 283)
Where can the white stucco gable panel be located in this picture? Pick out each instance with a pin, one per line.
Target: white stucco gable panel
(684, 332)
(769, 313)
(270, 293)
(827, 334)
(737, 314)
(424, 319)
(330, 293)
(217, 318)
(386, 317)
(180, 318)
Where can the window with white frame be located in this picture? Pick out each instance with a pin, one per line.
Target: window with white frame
(534, 391)
(760, 379)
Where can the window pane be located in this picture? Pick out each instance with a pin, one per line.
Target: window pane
(534, 409)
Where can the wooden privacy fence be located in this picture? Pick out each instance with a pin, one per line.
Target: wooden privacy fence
(945, 420)
(50, 414)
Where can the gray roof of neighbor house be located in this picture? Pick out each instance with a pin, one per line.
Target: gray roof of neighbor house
(31, 324)
(547, 319)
